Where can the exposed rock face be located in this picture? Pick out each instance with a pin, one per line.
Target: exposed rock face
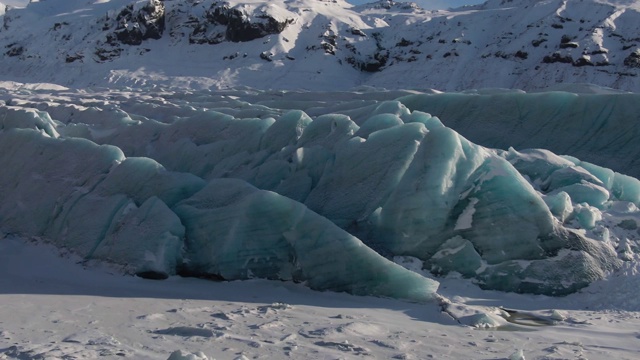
(557, 57)
(633, 60)
(224, 23)
(135, 25)
(240, 28)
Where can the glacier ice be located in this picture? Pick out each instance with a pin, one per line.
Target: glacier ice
(208, 184)
(598, 128)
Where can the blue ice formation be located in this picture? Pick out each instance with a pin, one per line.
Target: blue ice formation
(598, 128)
(324, 196)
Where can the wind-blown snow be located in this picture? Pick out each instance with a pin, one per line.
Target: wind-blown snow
(236, 184)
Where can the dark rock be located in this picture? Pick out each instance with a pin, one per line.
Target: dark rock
(537, 43)
(104, 54)
(501, 55)
(569, 45)
(58, 26)
(266, 56)
(565, 39)
(557, 57)
(203, 34)
(328, 48)
(242, 28)
(404, 42)
(521, 54)
(633, 60)
(582, 62)
(72, 58)
(379, 61)
(135, 26)
(358, 32)
(15, 50)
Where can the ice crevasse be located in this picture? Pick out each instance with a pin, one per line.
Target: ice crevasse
(324, 200)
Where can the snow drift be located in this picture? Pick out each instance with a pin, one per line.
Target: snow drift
(234, 185)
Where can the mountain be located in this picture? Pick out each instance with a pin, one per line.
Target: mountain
(323, 44)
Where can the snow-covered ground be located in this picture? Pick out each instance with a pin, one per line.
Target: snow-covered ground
(56, 307)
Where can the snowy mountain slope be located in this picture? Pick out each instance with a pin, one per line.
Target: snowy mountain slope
(319, 45)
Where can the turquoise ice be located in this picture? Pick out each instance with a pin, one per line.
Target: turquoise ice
(325, 195)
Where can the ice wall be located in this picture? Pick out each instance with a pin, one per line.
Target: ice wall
(598, 128)
(244, 189)
(92, 200)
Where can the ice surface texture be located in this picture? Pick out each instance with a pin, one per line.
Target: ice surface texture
(599, 128)
(208, 184)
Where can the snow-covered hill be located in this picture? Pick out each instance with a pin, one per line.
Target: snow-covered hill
(318, 44)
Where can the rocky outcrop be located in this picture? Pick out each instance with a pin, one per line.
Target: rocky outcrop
(134, 24)
(633, 60)
(224, 23)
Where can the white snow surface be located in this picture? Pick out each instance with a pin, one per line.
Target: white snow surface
(55, 306)
(328, 45)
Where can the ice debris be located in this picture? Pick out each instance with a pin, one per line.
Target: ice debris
(185, 355)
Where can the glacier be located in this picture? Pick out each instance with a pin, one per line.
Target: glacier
(320, 188)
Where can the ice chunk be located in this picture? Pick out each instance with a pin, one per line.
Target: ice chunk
(586, 215)
(356, 184)
(518, 355)
(560, 205)
(327, 131)
(13, 117)
(378, 122)
(569, 271)
(52, 193)
(622, 187)
(594, 128)
(568, 176)
(585, 192)
(185, 355)
(456, 255)
(142, 178)
(285, 131)
(42, 174)
(148, 240)
(236, 231)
